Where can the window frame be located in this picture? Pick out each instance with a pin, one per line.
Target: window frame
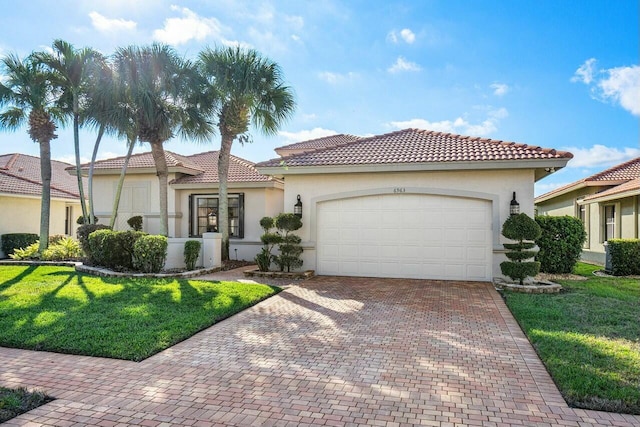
(583, 213)
(193, 213)
(606, 223)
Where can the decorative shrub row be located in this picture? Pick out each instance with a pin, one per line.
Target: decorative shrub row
(62, 249)
(83, 235)
(625, 256)
(560, 243)
(113, 249)
(13, 241)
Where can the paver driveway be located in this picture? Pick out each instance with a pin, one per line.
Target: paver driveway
(330, 351)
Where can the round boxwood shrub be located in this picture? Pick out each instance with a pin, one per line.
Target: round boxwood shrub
(83, 235)
(523, 229)
(560, 243)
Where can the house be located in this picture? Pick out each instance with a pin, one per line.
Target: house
(608, 203)
(410, 204)
(21, 192)
(192, 197)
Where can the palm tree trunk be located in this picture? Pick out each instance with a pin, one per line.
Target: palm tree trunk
(163, 172)
(45, 205)
(223, 193)
(76, 144)
(91, 165)
(123, 172)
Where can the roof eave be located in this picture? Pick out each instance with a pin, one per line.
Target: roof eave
(281, 171)
(610, 197)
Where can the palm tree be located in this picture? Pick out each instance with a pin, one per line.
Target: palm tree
(249, 89)
(27, 97)
(160, 90)
(71, 69)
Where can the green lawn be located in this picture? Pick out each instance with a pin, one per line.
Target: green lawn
(57, 309)
(588, 336)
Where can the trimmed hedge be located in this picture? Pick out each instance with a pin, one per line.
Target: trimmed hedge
(113, 249)
(560, 243)
(625, 256)
(150, 253)
(13, 241)
(191, 252)
(83, 235)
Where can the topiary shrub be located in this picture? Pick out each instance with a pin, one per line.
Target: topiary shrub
(289, 245)
(269, 240)
(150, 253)
(625, 256)
(83, 235)
(521, 228)
(191, 253)
(13, 241)
(560, 243)
(135, 222)
(81, 221)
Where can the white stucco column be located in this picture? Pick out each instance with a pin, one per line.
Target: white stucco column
(212, 247)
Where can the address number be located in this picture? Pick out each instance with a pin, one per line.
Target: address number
(399, 190)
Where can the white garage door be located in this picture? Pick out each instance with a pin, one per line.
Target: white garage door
(405, 235)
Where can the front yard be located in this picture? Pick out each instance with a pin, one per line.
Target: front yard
(588, 337)
(57, 309)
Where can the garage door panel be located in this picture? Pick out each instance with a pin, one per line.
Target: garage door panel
(393, 235)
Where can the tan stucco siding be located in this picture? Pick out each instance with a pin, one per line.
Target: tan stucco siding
(496, 184)
(22, 215)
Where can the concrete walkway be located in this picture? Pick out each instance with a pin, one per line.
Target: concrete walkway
(327, 351)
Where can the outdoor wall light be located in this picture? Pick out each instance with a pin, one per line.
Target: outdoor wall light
(297, 208)
(514, 206)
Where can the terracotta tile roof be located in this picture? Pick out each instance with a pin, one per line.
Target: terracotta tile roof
(144, 160)
(418, 146)
(20, 174)
(613, 176)
(317, 144)
(240, 170)
(629, 186)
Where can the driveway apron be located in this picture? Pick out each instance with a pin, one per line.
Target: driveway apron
(329, 351)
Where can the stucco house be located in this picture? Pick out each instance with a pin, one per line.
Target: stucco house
(21, 192)
(193, 197)
(411, 204)
(608, 203)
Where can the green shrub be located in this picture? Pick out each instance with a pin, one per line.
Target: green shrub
(113, 249)
(80, 220)
(135, 222)
(269, 240)
(83, 235)
(520, 227)
(30, 252)
(191, 252)
(625, 256)
(289, 245)
(150, 253)
(64, 249)
(560, 243)
(13, 241)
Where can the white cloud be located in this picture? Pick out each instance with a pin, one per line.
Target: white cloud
(190, 26)
(600, 156)
(499, 89)
(405, 34)
(336, 78)
(402, 64)
(459, 125)
(104, 24)
(584, 73)
(623, 86)
(305, 135)
(620, 85)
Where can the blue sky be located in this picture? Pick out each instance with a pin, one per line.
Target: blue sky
(559, 74)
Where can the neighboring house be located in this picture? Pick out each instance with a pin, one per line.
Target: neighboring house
(315, 144)
(410, 204)
(192, 196)
(608, 203)
(21, 192)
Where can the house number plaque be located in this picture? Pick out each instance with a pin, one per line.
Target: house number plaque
(399, 190)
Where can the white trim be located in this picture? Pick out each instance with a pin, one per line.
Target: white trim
(215, 185)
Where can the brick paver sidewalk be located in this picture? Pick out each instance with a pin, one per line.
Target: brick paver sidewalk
(330, 351)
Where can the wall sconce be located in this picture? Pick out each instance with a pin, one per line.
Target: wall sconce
(514, 206)
(297, 208)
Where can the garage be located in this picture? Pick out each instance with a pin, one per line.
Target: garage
(405, 236)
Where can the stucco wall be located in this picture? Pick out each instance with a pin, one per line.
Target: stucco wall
(22, 215)
(498, 184)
